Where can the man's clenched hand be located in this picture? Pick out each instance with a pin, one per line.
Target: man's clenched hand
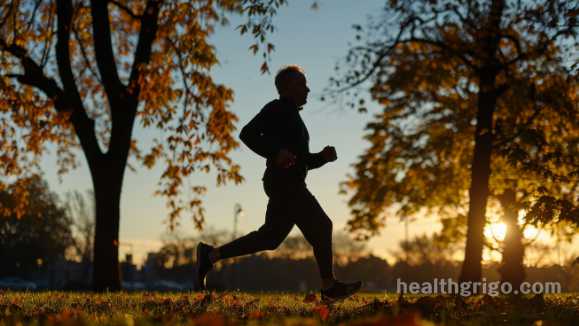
(329, 154)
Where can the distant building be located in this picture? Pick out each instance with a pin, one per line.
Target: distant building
(128, 269)
(67, 274)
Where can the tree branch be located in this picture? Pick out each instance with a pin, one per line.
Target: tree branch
(181, 65)
(4, 19)
(149, 23)
(445, 47)
(380, 56)
(122, 122)
(84, 55)
(64, 20)
(33, 15)
(126, 9)
(34, 76)
(48, 43)
(104, 50)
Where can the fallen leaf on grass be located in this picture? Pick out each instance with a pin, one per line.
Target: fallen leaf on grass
(256, 314)
(323, 311)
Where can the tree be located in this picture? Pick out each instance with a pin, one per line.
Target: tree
(90, 69)
(464, 84)
(37, 238)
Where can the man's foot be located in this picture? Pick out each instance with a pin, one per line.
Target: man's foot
(204, 265)
(340, 291)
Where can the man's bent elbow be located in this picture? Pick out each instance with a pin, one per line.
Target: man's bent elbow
(244, 135)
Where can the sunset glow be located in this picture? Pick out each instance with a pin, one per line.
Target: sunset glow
(496, 231)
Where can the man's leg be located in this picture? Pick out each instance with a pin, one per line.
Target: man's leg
(316, 227)
(278, 224)
(269, 236)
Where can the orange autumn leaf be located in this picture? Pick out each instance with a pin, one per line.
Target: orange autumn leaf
(322, 311)
(256, 314)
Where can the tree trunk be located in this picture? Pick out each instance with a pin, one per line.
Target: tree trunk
(512, 270)
(480, 167)
(479, 188)
(107, 184)
(107, 172)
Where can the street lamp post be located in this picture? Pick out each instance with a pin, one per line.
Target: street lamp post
(237, 212)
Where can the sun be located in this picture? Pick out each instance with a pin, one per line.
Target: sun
(530, 232)
(496, 231)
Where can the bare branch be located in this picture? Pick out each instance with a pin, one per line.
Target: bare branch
(377, 63)
(84, 55)
(410, 23)
(542, 47)
(64, 21)
(104, 50)
(33, 74)
(48, 43)
(443, 46)
(4, 19)
(181, 65)
(33, 15)
(125, 9)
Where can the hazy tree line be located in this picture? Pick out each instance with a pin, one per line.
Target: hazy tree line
(51, 230)
(59, 229)
(292, 267)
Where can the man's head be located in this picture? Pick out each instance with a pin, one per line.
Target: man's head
(290, 82)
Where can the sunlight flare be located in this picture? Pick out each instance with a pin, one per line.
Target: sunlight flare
(496, 231)
(530, 232)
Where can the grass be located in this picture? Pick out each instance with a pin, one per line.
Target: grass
(233, 308)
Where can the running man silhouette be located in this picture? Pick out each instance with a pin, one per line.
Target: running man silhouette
(279, 134)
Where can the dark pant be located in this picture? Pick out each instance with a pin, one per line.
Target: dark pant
(290, 202)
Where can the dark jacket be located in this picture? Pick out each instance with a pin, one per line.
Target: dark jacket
(279, 126)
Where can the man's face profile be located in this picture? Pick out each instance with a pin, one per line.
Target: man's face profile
(297, 89)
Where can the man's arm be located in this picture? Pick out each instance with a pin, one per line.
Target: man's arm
(315, 160)
(258, 135)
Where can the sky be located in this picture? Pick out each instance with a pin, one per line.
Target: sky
(313, 39)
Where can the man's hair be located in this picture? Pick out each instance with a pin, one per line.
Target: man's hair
(285, 75)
